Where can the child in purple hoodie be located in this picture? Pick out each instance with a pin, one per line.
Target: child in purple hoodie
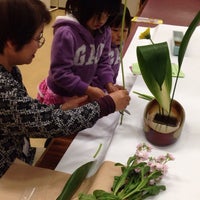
(116, 32)
(80, 50)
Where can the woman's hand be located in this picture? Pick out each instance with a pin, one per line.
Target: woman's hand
(121, 99)
(94, 93)
(74, 102)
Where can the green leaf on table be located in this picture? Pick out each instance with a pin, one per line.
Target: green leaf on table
(103, 195)
(75, 181)
(99, 195)
(87, 197)
(153, 190)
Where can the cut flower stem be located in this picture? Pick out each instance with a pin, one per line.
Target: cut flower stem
(121, 53)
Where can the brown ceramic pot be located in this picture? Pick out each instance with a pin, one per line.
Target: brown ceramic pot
(163, 130)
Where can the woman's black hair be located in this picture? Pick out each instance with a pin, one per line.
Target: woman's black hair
(19, 21)
(83, 10)
(116, 20)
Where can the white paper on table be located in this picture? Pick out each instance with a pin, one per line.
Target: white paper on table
(86, 143)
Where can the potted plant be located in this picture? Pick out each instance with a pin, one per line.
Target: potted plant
(163, 116)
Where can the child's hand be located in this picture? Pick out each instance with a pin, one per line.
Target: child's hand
(110, 87)
(94, 93)
(120, 87)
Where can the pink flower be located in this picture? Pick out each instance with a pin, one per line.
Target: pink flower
(161, 159)
(143, 146)
(170, 156)
(142, 154)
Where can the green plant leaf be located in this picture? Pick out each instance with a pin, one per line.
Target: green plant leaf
(121, 180)
(153, 190)
(155, 66)
(87, 197)
(183, 47)
(102, 195)
(186, 38)
(75, 181)
(144, 96)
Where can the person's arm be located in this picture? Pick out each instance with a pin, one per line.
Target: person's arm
(23, 115)
(29, 117)
(116, 101)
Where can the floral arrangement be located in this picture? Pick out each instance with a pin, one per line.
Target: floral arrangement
(155, 66)
(139, 179)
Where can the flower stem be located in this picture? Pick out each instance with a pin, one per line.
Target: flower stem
(121, 52)
(151, 40)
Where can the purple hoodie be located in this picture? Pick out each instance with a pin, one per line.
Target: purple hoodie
(76, 56)
(115, 64)
(115, 60)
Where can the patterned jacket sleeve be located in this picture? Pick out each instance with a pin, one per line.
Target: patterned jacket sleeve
(21, 114)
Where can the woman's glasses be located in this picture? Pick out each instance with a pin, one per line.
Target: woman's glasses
(40, 40)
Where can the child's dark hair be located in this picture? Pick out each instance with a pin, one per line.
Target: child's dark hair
(19, 21)
(83, 10)
(116, 21)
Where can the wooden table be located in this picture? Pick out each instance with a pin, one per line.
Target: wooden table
(54, 152)
(174, 12)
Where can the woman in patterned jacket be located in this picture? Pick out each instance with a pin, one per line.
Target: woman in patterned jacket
(21, 24)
